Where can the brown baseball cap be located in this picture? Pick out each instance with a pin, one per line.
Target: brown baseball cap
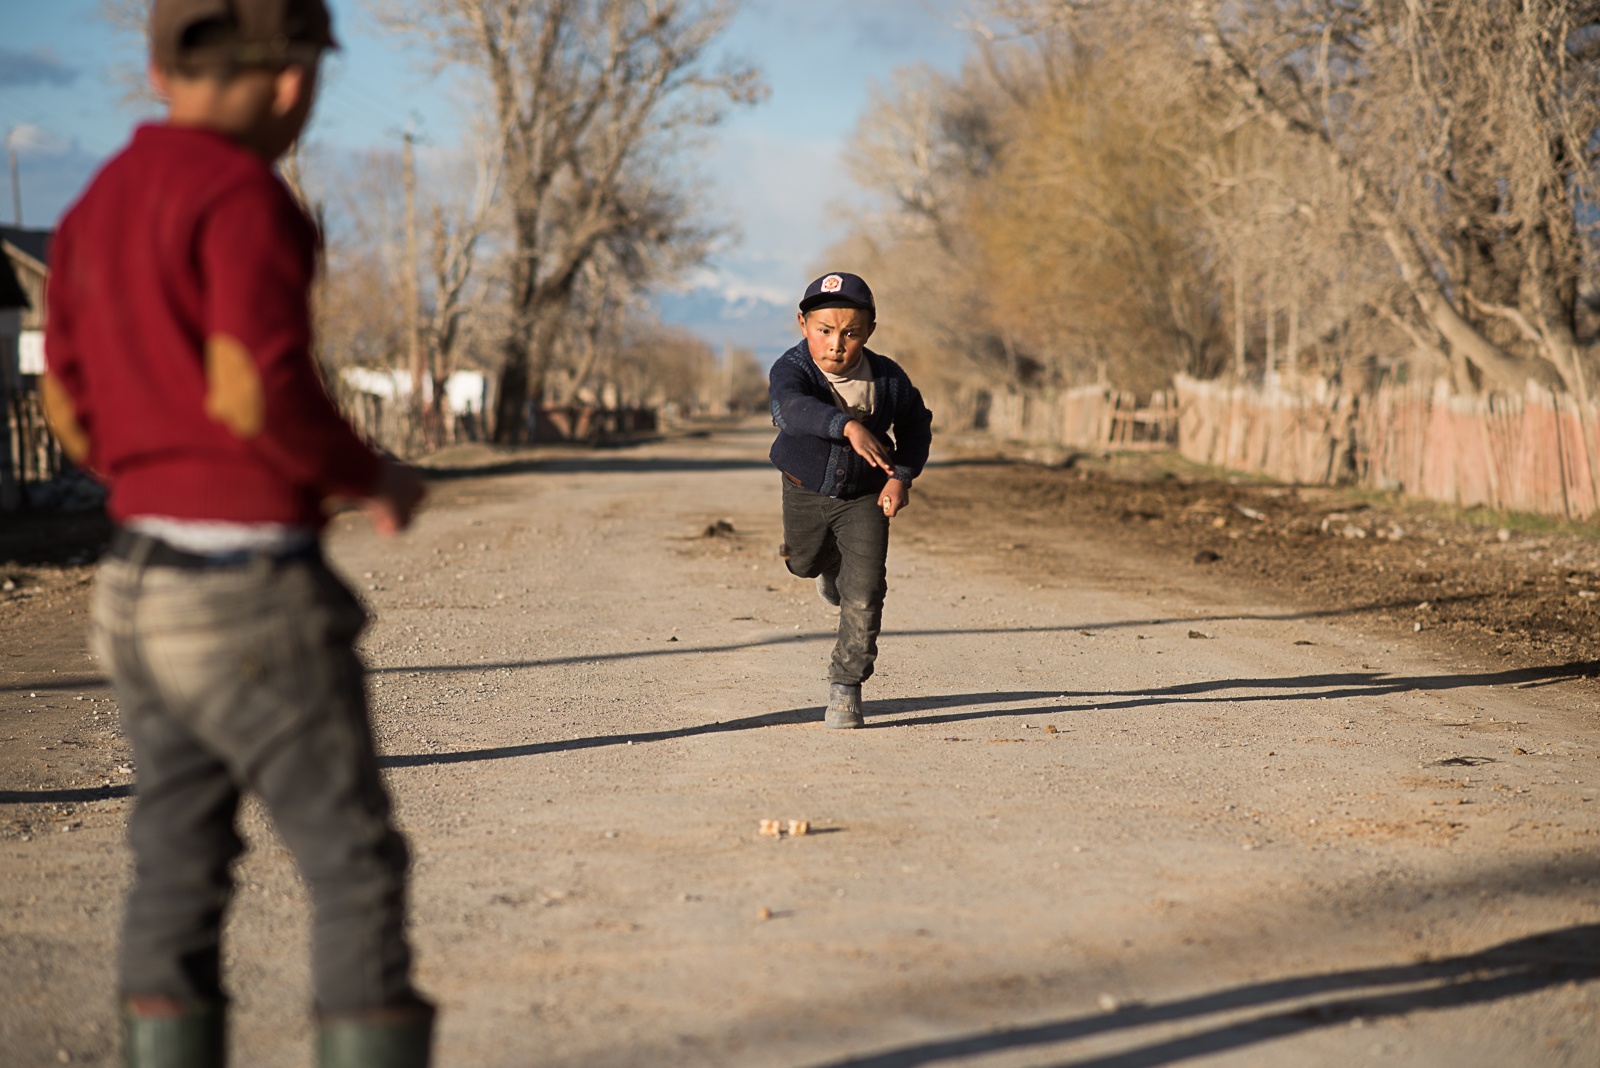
(241, 32)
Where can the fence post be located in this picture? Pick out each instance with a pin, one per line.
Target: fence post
(9, 495)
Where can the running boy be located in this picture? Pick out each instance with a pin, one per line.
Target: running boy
(835, 404)
(179, 370)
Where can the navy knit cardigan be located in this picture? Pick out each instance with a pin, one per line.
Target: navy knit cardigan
(811, 445)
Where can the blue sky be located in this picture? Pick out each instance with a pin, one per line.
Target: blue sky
(773, 172)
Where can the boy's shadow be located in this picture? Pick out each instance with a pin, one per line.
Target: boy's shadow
(1287, 1007)
(939, 709)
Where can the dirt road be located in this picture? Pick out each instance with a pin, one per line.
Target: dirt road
(1108, 811)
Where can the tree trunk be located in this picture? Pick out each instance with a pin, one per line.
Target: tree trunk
(511, 398)
(1555, 305)
(1498, 369)
(510, 409)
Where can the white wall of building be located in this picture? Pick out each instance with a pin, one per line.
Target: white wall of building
(465, 392)
(30, 352)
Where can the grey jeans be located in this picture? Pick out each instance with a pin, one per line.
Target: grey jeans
(852, 538)
(246, 678)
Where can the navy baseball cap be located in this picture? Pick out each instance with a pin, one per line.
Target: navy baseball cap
(838, 290)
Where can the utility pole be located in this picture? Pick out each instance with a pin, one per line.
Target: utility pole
(1238, 271)
(726, 375)
(10, 495)
(413, 296)
(16, 182)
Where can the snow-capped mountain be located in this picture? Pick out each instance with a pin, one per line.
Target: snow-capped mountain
(728, 317)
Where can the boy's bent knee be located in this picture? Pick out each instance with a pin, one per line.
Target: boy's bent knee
(807, 570)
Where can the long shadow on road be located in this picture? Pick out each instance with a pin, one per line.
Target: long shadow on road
(79, 682)
(943, 708)
(945, 632)
(1250, 691)
(1286, 1007)
(598, 464)
(935, 709)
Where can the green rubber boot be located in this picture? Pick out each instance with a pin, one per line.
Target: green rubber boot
(386, 1038)
(163, 1034)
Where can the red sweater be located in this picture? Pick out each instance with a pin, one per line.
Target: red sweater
(183, 238)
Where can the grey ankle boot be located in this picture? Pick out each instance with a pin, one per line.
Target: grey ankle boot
(828, 587)
(844, 706)
(384, 1038)
(179, 1036)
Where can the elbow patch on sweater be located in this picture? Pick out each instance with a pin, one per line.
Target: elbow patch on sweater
(233, 387)
(62, 416)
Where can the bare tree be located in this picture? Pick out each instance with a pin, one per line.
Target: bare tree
(130, 18)
(655, 365)
(1088, 223)
(589, 98)
(660, 241)
(1403, 185)
(741, 384)
(1038, 229)
(922, 142)
(458, 287)
(1466, 134)
(361, 317)
(922, 148)
(600, 300)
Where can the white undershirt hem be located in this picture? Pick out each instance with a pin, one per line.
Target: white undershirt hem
(208, 537)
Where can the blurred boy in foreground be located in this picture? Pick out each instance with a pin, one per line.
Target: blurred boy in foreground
(179, 371)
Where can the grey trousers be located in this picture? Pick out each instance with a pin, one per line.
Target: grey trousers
(852, 538)
(246, 678)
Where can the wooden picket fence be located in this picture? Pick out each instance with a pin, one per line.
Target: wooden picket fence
(1538, 452)
(1290, 435)
(1088, 417)
(29, 455)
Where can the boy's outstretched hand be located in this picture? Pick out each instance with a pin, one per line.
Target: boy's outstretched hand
(396, 498)
(868, 446)
(896, 494)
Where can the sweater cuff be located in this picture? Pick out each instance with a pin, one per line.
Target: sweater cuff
(836, 427)
(903, 473)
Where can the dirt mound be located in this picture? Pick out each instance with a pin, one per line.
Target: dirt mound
(1495, 585)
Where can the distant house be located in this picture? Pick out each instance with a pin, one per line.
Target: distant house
(377, 401)
(27, 453)
(24, 268)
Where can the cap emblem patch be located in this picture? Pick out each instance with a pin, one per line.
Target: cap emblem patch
(832, 284)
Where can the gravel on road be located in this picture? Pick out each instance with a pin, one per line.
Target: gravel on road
(1112, 805)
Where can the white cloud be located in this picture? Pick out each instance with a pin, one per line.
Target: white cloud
(730, 287)
(882, 28)
(31, 140)
(52, 169)
(698, 278)
(783, 195)
(737, 290)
